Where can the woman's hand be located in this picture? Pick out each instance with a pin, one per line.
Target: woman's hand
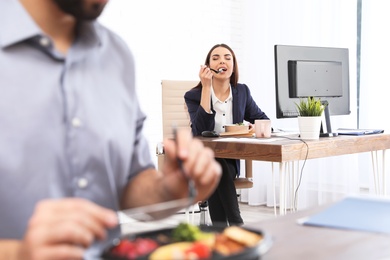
(205, 75)
(251, 128)
(199, 164)
(64, 228)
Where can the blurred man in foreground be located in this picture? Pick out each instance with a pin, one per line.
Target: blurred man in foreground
(72, 151)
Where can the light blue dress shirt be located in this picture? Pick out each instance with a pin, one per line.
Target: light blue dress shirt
(69, 126)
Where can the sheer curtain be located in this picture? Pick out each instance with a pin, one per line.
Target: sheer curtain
(374, 74)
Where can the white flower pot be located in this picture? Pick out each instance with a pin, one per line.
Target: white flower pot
(309, 127)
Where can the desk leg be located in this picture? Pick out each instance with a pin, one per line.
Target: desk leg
(287, 186)
(380, 188)
(374, 163)
(384, 172)
(274, 188)
(294, 182)
(291, 175)
(282, 189)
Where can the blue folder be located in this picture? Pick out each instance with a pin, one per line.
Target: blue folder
(351, 131)
(355, 213)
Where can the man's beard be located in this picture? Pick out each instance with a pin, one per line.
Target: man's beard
(79, 9)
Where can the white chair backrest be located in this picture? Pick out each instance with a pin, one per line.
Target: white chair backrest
(174, 110)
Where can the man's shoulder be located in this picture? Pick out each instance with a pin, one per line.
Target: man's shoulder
(112, 43)
(107, 34)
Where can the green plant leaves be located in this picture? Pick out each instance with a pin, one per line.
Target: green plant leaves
(310, 107)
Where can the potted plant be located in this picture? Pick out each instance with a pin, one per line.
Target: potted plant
(309, 119)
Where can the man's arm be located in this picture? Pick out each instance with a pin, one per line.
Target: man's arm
(144, 189)
(151, 186)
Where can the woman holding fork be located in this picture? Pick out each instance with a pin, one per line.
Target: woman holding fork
(219, 100)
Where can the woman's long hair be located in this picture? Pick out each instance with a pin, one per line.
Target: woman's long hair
(234, 76)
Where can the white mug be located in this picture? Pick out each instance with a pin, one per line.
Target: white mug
(263, 128)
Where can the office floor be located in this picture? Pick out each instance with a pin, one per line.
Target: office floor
(249, 214)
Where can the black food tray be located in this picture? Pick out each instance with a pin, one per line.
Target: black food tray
(250, 253)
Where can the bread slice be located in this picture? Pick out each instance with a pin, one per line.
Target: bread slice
(242, 236)
(171, 251)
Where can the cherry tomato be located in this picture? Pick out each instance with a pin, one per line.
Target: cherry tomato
(135, 248)
(200, 249)
(123, 247)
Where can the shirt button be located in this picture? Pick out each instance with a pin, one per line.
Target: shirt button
(44, 41)
(76, 122)
(82, 183)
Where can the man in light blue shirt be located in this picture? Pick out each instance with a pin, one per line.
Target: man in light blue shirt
(72, 151)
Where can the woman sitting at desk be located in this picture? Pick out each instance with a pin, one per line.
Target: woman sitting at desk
(219, 100)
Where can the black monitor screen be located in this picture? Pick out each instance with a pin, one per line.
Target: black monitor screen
(302, 71)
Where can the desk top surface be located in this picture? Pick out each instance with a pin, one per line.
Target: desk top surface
(294, 241)
(290, 148)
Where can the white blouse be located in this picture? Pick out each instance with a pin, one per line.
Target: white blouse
(223, 110)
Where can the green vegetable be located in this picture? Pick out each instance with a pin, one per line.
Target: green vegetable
(188, 232)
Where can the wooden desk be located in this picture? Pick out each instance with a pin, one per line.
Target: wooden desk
(294, 241)
(285, 150)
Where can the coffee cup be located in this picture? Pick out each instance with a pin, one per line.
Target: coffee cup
(263, 128)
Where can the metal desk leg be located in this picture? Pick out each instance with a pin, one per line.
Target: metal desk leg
(380, 188)
(282, 189)
(294, 182)
(384, 172)
(274, 188)
(288, 182)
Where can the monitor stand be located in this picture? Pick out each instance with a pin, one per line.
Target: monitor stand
(326, 124)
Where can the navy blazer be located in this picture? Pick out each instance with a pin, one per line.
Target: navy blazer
(244, 108)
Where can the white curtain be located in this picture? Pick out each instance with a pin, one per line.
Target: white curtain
(171, 38)
(375, 81)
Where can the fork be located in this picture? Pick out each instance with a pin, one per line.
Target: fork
(191, 184)
(218, 71)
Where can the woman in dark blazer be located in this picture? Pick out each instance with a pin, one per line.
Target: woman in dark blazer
(216, 101)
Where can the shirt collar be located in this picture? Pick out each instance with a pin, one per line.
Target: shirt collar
(17, 26)
(214, 98)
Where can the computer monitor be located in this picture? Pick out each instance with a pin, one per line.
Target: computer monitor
(321, 72)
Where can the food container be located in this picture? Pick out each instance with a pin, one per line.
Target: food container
(254, 252)
(237, 128)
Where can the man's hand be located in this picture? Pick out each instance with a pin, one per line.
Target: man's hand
(64, 228)
(198, 162)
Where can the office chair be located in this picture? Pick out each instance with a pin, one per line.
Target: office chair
(174, 112)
